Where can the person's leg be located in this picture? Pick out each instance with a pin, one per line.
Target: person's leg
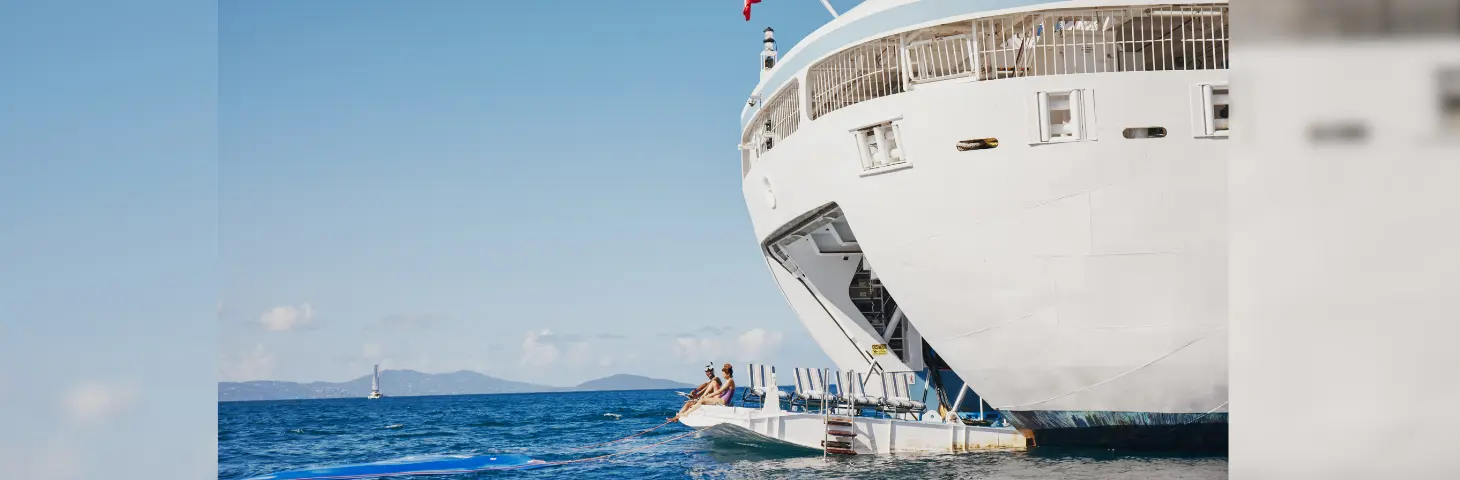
(703, 401)
(682, 409)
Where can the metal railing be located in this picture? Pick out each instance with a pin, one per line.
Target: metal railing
(864, 72)
(940, 58)
(1054, 42)
(777, 120)
(1155, 38)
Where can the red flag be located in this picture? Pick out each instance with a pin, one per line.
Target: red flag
(747, 8)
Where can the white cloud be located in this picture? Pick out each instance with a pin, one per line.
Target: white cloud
(538, 349)
(287, 317)
(605, 361)
(699, 349)
(722, 345)
(257, 364)
(93, 403)
(756, 343)
(542, 348)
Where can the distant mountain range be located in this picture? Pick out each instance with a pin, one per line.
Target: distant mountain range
(407, 383)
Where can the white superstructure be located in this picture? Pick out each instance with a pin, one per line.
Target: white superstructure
(1033, 194)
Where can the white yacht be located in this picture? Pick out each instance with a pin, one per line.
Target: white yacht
(375, 384)
(1019, 202)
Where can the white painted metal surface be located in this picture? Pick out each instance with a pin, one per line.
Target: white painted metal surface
(1083, 272)
(873, 436)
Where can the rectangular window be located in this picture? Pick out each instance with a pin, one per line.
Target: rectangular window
(880, 145)
(1064, 116)
(1215, 110)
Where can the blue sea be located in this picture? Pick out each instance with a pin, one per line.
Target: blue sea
(259, 438)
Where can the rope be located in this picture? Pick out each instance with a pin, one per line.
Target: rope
(631, 450)
(666, 422)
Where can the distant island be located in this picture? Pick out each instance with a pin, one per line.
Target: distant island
(410, 383)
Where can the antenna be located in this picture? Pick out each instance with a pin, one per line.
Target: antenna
(826, 4)
(768, 56)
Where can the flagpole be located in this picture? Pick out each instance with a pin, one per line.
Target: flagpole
(827, 4)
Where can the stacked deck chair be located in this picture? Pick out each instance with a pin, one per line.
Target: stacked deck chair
(761, 384)
(898, 399)
(811, 389)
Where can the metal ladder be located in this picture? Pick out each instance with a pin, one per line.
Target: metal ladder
(836, 426)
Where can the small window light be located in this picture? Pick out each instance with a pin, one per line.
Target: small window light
(1144, 132)
(978, 144)
(1336, 132)
(1449, 83)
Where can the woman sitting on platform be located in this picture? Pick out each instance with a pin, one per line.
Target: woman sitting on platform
(721, 395)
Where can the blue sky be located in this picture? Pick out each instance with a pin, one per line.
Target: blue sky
(544, 191)
(541, 191)
(108, 208)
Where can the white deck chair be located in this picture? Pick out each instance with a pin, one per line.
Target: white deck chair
(811, 386)
(856, 391)
(898, 397)
(761, 384)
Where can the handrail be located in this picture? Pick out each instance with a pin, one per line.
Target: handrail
(875, 367)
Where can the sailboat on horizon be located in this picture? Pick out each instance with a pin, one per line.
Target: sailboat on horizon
(375, 384)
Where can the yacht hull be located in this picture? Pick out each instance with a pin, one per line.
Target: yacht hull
(1078, 287)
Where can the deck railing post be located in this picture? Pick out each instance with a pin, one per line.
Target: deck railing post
(973, 48)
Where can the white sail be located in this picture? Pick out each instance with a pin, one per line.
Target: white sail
(375, 381)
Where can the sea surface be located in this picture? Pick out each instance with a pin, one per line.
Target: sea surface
(259, 438)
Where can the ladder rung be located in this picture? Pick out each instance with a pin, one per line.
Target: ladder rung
(829, 444)
(841, 451)
(838, 433)
(839, 422)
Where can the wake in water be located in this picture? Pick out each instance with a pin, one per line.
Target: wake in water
(455, 464)
(413, 465)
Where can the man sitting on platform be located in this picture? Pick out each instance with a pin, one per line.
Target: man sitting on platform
(719, 395)
(709, 386)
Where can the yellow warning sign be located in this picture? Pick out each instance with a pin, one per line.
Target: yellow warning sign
(879, 349)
